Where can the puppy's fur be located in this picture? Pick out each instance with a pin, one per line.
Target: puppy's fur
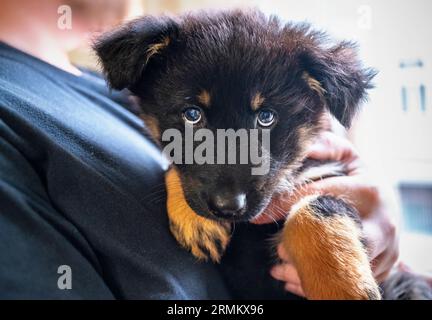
(232, 64)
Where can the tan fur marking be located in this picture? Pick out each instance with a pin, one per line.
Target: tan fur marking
(257, 101)
(152, 123)
(157, 47)
(314, 84)
(305, 137)
(329, 256)
(285, 177)
(204, 98)
(192, 231)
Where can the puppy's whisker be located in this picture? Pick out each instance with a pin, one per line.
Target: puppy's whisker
(270, 215)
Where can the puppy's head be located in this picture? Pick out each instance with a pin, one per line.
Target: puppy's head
(234, 70)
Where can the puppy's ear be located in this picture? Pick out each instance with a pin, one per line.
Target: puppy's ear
(337, 76)
(126, 52)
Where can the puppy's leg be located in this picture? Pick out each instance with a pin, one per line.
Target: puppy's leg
(203, 237)
(324, 240)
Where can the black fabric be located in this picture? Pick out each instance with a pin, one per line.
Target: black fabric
(247, 261)
(80, 185)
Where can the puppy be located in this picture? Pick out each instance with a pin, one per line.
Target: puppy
(242, 70)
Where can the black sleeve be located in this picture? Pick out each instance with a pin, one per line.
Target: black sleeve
(35, 239)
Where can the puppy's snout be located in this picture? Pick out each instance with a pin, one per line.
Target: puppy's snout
(227, 205)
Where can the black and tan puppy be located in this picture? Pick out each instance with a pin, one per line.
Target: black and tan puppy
(241, 69)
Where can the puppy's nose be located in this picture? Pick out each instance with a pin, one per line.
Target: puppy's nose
(227, 205)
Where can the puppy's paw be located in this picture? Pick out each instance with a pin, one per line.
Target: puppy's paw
(205, 238)
(324, 241)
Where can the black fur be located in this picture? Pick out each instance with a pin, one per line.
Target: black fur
(233, 55)
(406, 286)
(342, 77)
(327, 206)
(123, 52)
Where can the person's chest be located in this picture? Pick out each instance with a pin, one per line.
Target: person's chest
(107, 179)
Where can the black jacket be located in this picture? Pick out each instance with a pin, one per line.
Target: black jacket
(81, 186)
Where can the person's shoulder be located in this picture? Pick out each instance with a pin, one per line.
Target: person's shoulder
(18, 73)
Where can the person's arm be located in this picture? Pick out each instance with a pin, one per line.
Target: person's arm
(375, 206)
(35, 240)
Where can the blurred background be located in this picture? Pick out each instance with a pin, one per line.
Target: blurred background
(393, 131)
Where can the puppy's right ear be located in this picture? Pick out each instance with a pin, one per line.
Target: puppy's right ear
(126, 52)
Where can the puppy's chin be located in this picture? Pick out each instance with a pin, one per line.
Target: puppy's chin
(244, 218)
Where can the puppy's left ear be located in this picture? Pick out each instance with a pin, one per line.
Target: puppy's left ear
(337, 76)
(126, 52)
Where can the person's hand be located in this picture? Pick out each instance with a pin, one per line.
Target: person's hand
(376, 209)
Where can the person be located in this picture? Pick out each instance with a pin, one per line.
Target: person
(82, 212)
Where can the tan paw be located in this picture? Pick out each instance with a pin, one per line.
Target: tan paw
(324, 242)
(206, 239)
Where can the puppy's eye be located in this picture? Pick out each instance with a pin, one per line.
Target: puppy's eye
(266, 118)
(192, 115)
